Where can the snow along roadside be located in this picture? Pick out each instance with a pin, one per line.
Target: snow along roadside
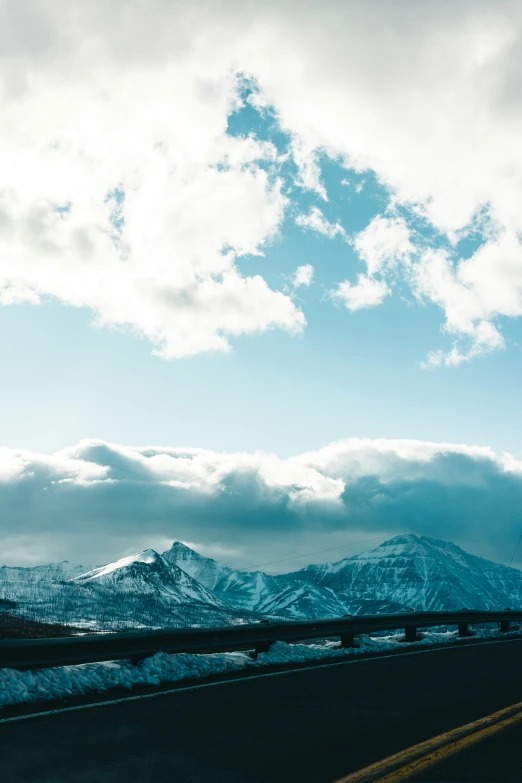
(17, 687)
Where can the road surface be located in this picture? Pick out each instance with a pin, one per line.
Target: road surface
(315, 725)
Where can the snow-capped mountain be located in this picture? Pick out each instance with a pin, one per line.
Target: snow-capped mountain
(148, 573)
(42, 573)
(142, 590)
(256, 591)
(205, 570)
(405, 572)
(421, 573)
(184, 588)
(239, 588)
(302, 602)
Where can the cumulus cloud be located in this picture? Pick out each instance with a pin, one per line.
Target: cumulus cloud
(121, 190)
(303, 276)
(385, 242)
(97, 501)
(306, 157)
(473, 293)
(316, 221)
(441, 133)
(367, 292)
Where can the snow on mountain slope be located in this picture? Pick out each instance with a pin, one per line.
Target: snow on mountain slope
(141, 591)
(239, 588)
(149, 573)
(301, 601)
(182, 588)
(421, 573)
(205, 570)
(46, 573)
(256, 591)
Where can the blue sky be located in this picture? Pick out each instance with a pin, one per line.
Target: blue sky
(349, 374)
(150, 242)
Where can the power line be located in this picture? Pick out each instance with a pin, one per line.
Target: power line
(514, 553)
(309, 554)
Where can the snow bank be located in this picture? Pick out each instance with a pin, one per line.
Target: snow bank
(17, 687)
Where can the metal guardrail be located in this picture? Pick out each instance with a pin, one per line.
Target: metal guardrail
(136, 645)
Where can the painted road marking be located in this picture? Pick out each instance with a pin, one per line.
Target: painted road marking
(200, 686)
(419, 757)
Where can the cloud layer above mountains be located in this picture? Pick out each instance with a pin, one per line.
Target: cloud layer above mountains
(97, 501)
(121, 190)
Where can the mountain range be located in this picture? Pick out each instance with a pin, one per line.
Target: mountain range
(421, 573)
(181, 587)
(140, 591)
(256, 591)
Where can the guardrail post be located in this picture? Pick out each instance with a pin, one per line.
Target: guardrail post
(504, 626)
(410, 633)
(348, 640)
(464, 629)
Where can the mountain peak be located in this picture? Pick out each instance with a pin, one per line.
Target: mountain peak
(420, 572)
(419, 544)
(148, 556)
(181, 548)
(406, 545)
(201, 568)
(181, 553)
(403, 538)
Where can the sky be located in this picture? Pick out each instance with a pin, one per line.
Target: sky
(260, 277)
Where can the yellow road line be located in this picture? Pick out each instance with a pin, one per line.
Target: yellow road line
(408, 762)
(442, 753)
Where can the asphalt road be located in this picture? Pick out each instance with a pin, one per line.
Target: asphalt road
(307, 726)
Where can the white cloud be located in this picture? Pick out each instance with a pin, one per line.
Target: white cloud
(136, 98)
(485, 338)
(384, 242)
(382, 245)
(316, 221)
(303, 275)
(96, 501)
(379, 96)
(309, 171)
(87, 121)
(367, 292)
(472, 293)
(442, 135)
